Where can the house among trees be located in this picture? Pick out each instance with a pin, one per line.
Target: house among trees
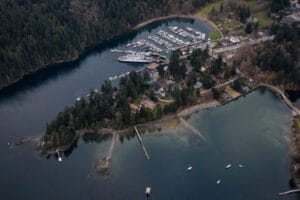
(234, 40)
(198, 85)
(293, 19)
(147, 103)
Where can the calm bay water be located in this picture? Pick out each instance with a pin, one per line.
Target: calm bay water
(252, 131)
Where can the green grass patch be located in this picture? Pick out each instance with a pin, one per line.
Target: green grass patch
(263, 19)
(260, 11)
(203, 12)
(228, 25)
(215, 35)
(252, 5)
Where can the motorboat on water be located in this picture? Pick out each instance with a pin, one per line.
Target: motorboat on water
(189, 168)
(228, 166)
(134, 58)
(148, 191)
(241, 166)
(218, 181)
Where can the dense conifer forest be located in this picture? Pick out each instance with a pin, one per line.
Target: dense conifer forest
(36, 33)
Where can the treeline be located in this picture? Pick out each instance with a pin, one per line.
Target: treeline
(282, 55)
(278, 5)
(109, 108)
(35, 33)
(278, 60)
(239, 8)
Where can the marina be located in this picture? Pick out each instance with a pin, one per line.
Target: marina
(160, 44)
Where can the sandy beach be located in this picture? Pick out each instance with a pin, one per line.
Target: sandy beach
(197, 107)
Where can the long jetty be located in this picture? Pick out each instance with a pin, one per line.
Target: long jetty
(289, 192)
(142, 143)
(104, 164)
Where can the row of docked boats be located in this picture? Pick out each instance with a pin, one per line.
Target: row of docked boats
(161, 41)
(142, 57)
(112, 78)
(189, 32)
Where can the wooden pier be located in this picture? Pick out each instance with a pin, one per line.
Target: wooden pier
(142, 143)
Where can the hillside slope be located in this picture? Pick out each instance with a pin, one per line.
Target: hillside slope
(36, 33)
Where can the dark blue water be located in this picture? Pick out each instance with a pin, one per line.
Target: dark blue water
(252, 131)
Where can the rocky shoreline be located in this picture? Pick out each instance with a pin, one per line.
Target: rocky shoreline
(295, 151)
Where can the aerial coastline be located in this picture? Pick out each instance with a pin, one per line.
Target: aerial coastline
(131, 99)
(226, 85)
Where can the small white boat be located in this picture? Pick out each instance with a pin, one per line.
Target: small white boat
(189, 168)
(228, 166)
(78, 99)
(59, 156)
(148, 191)
(241, 166)
(218, 181)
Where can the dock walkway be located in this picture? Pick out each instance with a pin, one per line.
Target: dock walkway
(142, 143)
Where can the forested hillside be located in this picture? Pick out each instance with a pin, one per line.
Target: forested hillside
(35, 33)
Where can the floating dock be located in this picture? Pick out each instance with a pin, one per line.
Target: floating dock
(142, 143)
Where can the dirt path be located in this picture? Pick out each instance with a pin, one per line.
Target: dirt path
(198, 107)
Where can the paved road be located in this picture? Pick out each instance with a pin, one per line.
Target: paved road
(220, 85)
(236, 47)
(165, 100)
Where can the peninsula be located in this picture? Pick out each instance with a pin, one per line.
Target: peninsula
(242, 53)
